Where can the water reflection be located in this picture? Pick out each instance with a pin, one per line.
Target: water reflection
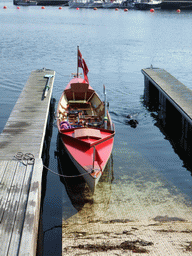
(170, 127)
(172, 137)
(46, 146)
(77, 189)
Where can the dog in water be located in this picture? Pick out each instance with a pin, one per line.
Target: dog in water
(131, 121)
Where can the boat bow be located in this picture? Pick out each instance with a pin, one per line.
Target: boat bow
(90, 147)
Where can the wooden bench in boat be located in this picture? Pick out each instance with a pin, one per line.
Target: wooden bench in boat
(79, 92)
(86, 132)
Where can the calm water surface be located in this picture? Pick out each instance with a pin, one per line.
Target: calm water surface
(116, 46)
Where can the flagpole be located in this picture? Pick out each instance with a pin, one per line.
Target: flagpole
(77, 61)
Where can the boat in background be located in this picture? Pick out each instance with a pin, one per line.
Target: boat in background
(86, 3)
(85, 126)
(109, 4)
(25, 2)
(95, 4)
(78, 3)
(130, 4)
(146, 5)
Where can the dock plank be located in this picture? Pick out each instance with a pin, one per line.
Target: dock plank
(11, 207)
(6, 185)
(30, 227)
(21, 212)
(3, 165)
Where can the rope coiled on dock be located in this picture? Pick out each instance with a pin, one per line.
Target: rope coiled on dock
(29, 159)
(25, 159)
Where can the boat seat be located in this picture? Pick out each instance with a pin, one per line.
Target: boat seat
(91, 116)
(77, 101)
(79, 87)
(79, 91)
(73, 113)
(86, 132)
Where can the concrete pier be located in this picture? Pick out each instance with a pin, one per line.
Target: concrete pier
(173, 101)
(21, 180)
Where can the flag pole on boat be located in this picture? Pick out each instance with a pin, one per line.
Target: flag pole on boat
(105, 103)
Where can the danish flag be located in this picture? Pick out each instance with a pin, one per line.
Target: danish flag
(82, 64)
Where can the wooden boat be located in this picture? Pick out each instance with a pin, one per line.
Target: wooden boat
(76, 188)
(85, 127)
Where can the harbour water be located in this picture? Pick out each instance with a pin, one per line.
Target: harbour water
(116, 45)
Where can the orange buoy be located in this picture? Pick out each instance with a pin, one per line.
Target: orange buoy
(152, 10)
(178, 10)
(43, 7)
(18, 7)
(5, 7)
(77, 8)
(125, 10)
(116, 9)
(60, 8)
(95, 8)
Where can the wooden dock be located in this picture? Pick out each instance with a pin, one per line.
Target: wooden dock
(173, 101)
(176, 92)
(20, 181)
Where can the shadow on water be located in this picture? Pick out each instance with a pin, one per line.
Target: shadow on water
(47, 235)
(175, 142)
(171, 129)
(46, 147)
(76, 187)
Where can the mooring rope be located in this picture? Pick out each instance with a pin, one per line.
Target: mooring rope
(25, 159)
(29, 159)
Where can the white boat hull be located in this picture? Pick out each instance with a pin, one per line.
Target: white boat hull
(85, 4)
(110, 4)
(78, 4)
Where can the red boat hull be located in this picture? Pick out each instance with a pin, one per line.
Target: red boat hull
(89, 154)
(86, 129)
